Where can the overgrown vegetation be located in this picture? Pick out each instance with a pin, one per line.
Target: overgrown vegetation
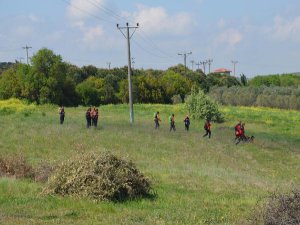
(16, 166)
(101, 176)
(278, 209)
(274, 97)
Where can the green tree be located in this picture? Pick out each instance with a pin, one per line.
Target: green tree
(200, 106)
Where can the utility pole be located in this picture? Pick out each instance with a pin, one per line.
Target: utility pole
(193, 62)
(27, 48)
(198, 64)
(234, 62)
(185, 55)
(209, 61)
(108, 64)
(128, 36)
(133, 62)
(204, 65)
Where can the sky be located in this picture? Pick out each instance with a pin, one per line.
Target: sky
(263, 36)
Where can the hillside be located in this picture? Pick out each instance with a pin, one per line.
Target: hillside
(197, 180)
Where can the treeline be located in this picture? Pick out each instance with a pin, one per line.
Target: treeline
(275, 97)
(51, 80)
(281, 80)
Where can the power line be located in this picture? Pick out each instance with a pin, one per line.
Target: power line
(91, 14)
(209, 61)
(128, 36)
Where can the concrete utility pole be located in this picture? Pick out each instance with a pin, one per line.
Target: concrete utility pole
(26, 48)
(209, 61)
(108, 64)
(234, 62)
(185, 55)
(128, 36)
(193, 62)
(204, 65)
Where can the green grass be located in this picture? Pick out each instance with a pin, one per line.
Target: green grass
(197, 180)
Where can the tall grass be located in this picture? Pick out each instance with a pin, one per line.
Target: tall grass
(197, 180)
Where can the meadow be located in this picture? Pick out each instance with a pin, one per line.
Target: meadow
(197, 180)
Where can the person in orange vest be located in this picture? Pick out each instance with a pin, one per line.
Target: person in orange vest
(207, 128)
(96, 116)
(172, 123)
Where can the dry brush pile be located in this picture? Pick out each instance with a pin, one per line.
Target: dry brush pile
(99, 177)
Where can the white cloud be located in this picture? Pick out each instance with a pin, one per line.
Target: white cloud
(286, 29)
(231, 37)
(33, 18)
(154, 20)
(92, 35)
(79, 10)
(24, 31)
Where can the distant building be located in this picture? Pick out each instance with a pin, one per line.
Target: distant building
(222, 71)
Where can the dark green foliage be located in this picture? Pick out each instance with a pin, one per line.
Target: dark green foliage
(284, 80)
(278, 209)
(50, 80)
(276, 97)
(99, 177)
(200, 106)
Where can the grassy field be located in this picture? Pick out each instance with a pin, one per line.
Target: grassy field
(197, 180)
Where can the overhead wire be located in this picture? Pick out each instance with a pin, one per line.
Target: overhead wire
(91, 14)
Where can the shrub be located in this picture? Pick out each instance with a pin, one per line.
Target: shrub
(200, 106)
(99, 177)
(16, 166)
(278, 209)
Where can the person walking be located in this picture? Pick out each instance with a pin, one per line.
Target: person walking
(96, 116)
(88, 118)
(61, 112)
(172, 122)
(187, 123)
(157, 120)
(207, 128)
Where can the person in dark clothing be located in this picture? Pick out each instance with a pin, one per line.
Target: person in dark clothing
(207, 128)
(187, 123)
(172, 123)
(93, 115)
(88, 118)
(156, 120)
(61, 112)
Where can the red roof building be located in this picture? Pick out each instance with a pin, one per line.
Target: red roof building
(222, 71)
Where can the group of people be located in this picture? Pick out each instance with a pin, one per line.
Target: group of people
(240, 133)
(187, 122)
(92, 115)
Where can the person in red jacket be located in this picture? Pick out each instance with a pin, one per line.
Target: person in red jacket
(207, 128)
(237, 129)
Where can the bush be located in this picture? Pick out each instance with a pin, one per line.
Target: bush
(16, 166)
(200, 106)
(99, 177)
(278, 209)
